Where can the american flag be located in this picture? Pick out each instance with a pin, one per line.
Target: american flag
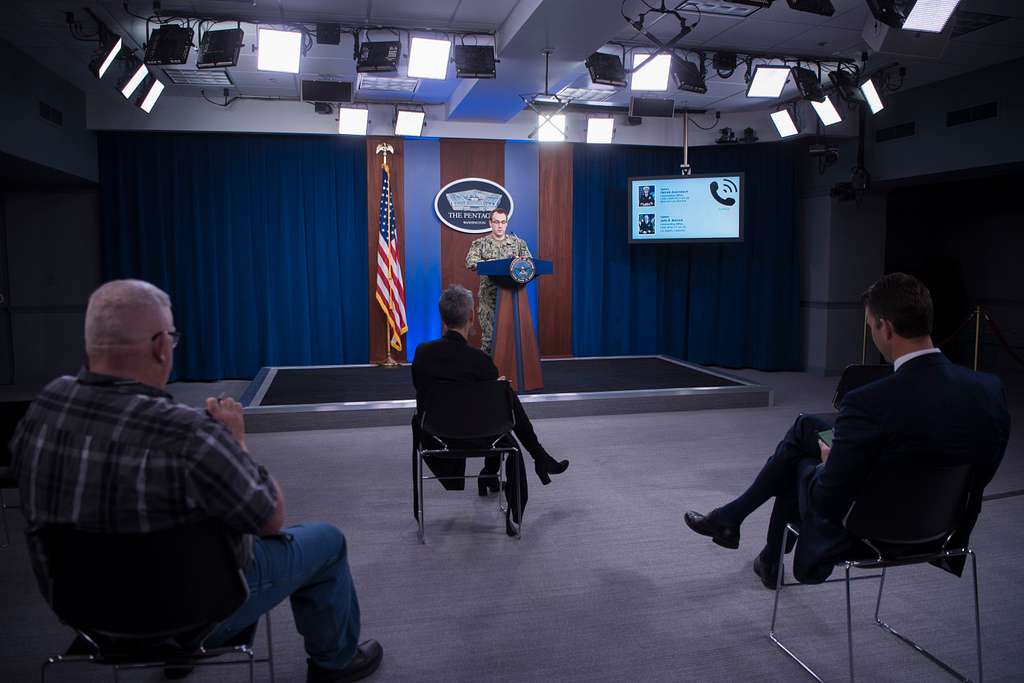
(390, 286)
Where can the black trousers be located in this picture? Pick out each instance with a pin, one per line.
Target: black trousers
(778, 479)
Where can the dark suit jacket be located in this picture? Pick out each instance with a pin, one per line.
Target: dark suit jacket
(929, 408)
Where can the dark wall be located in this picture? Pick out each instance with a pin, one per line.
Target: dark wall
(965, 240)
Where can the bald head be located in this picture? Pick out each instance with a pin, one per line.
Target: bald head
(123, 313)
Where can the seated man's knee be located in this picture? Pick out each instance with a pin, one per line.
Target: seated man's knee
(327, 537)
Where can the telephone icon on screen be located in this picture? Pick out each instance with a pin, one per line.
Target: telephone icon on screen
(729, 187)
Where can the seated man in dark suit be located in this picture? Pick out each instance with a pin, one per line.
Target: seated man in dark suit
(110, 451)
(927, 408)
(452, 359)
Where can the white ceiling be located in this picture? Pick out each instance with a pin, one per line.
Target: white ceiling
(572, 29)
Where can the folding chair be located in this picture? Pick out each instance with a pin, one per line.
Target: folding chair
(140, 601)
(469, 420)
(906, 515)
(11, 413)
(856, 376)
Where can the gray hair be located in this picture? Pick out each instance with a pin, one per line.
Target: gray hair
(455, 305)
(123, 311)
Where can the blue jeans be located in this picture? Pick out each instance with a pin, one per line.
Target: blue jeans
(309, 564)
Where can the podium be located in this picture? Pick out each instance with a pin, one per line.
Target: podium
(514, 347)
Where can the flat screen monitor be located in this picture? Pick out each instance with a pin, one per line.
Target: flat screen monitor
(682, 209)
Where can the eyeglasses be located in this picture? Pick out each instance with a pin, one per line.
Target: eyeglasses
(504, 222)
(175, 336)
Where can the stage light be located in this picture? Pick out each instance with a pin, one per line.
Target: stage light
(379, 57)
(150, 94)
(823, 7)
(784, 123)
(826, 111)
(219, 48)
(687, 76)
(474, 61)
(279, 50)
(808, 85)
(138, 75)
(551, 128)
(768, 81)
(428, 58)
(168, 44)
(606, 69)
(110, 53)
(929, 16)
(653, 75)
(352, 121)
(846, 84)
(409, 123)
(871, 95)
(600, 130)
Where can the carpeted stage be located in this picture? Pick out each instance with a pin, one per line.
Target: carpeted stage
(341, 396)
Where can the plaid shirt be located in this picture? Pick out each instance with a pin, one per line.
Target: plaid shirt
(112, 455)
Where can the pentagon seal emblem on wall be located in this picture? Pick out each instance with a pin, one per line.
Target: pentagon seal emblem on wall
(466, 204)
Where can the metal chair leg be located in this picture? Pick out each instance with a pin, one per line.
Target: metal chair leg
(778, 589)
(419, 498)
(977, 612)
(270, 649)
(849, 623)
(3, 518)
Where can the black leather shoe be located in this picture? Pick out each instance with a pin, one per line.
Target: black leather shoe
(769, 573)
(510, 528)
(705, 525)
(547, 466)
(486, 483)
(364, 662)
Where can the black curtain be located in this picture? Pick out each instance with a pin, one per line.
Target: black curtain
(260, 240)
(735, 305)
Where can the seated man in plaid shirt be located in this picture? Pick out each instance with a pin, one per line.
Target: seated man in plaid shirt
(111, 451)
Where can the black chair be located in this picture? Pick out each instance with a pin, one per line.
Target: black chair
(11, 413)
(906, 515)
(140, 601)
(856, 376)
(455, 418)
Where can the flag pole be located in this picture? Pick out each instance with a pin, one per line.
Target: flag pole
(384, 149)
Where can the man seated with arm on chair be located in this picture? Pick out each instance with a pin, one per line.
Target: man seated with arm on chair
(452, 359)
(929, 408)
(109, 451)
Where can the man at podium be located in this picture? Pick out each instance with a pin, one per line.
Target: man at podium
(500, 244)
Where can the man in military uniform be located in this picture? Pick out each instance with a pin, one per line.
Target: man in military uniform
(500, 244)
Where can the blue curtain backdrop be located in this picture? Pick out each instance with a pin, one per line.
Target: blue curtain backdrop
(259, 239)
(735, 305)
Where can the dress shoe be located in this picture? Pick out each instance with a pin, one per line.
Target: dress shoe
(486, 483)
(510, 528)
(363, 663)
(769, 573)
(705, 525)
(546, 466)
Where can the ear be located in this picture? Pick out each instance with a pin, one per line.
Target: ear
(887, 329)
(159, 350)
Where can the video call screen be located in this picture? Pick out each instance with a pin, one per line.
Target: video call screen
(695, 208)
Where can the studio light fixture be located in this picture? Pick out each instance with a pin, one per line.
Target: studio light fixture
(808, 84)
(688, 76)
(826, 111)
(138, 74)
(784, 123)
(551, 127)
(352, 121)
(107, 56)
(929, 16)
(169, 44)
(822, 7)
(871, 96)
(279, 50)
(378, 57)
(768, 81)
(653, 74)
(409, 123)
(151, 90)
(219, 48)
(600, 130)
(428, 58)
(474, 61)
(846, 83)
(606, 69)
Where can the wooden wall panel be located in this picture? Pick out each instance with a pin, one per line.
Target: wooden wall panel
(554, 298)
(466, 159)
(376, 320)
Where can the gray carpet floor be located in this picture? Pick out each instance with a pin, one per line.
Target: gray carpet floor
(606, 583)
